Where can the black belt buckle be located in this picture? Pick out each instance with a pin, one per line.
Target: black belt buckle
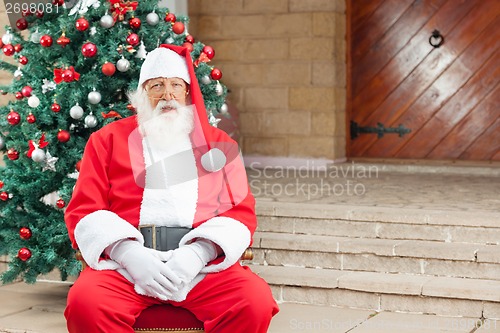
(162, 238)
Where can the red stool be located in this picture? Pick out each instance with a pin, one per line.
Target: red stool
(167, 318)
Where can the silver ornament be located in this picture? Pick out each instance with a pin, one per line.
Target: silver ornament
(205, 79)
(218, 89)
(123, 65)
(94, 97)
(18, 73)
(76, 112)
(33, 101)
(35, 37)
(107, 21)
(169, 40)
(38, 155)
(7, 38)
(152, 19)
(224, 109)
(2, 142)
(90, 121)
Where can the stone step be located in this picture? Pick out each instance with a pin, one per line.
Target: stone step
(384, 291)
(378, 255)
(380, 222)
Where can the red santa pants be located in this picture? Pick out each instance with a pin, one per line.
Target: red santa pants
(234, 300)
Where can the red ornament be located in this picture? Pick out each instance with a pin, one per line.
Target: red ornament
(81, 24)
(89, 50)
(22, 24)
(67, 75)
(189, 39)
(39, 13)
(130, 107)
(46, 41)
(209, 51)
(1, 184)
(135, 23)
(23, 60)
(4, 196)
(24, 254)
(19, 95)
(26, 12)
(26, 91)
(60, 203)
(133, 39)
(31, 118)
(63, 40)
(13, 118)
(12, 154)
(108, 68)
(18, 48)
(58, 2)
(188, 46)
(78, 165)
(216, 74)
(55, 107)
(1, 43)
(8, 50)
(170, 18)
(178, 28)
(25, 233)
(63, 136)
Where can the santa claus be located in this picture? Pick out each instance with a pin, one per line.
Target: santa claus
(162, 212)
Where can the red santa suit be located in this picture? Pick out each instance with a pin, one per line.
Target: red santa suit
(200, 183)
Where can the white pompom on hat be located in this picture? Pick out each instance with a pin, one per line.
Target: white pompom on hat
(162, 62)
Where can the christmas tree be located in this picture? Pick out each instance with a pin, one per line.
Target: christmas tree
(75, 68)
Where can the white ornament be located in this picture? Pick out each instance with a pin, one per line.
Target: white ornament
(205, 79)
(76, 112)
(83, 6)
(93, 31)
(213, 121)
(2, 142)
(18, 73)
(48, 85)
(7, 38)
(35, 37)
(94, 97)
(169, 40)
(107, 21)
(218, 89)
(38, 155)
(224, 109)
(213, 160)
(123, 65)
(33, 101)
(50, 162)
(141, 52)
(90, 121)
(152, 19)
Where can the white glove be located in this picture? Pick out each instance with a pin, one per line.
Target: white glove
(146, 267)
(188, 260)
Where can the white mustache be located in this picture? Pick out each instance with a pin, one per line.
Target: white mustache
(170, 104)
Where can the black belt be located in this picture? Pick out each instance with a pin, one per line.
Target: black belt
(162, 238)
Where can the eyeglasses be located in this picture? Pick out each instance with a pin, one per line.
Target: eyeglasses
(176, 88)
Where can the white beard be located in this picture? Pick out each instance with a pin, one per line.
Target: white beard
(162, 128)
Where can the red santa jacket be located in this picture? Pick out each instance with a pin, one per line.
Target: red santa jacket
(112, 197)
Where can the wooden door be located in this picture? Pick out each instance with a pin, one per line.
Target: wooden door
(447, 96)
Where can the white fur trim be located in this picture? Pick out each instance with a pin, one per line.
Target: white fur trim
(162, 62)
(98, 230)
(168, 201)
(231, 235)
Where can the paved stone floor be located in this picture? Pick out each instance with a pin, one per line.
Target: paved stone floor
(39, 308)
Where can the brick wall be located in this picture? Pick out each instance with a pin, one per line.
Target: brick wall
(284, 62)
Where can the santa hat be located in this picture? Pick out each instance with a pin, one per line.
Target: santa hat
(162, 62)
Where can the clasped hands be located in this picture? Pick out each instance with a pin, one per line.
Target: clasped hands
(161, 274)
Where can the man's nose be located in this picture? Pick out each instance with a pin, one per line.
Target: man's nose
(167, 94)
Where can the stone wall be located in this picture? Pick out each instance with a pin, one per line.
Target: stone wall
(284, 62)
